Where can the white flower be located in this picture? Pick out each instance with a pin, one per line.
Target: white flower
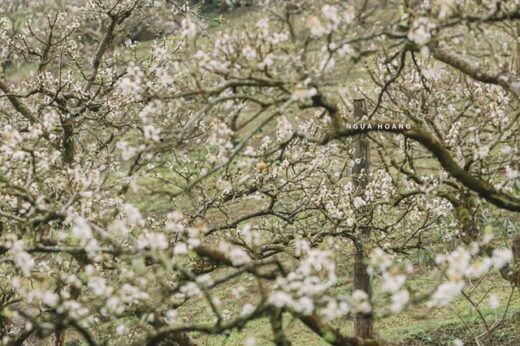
(239, 257)
(170, 316)
(493, 301)
(458, 342)
(175, 216)
(478, 269)
(359, 302)
(151, 132)
(303, 94)
(75, 309)
(392, 283)
(345, 50)
(247, 310)
(189, 29)
(262, 24)
(399, 301)
(487, 238)
(267, 62)
(127, 151)
(301, 247)
(132, 294)
(92, 246)
(81, 230)
(421, 31)
(425, 54)
(99, 286)
(316, 27)
(380, 260)
(224, 186)
(515, 87)
(180, 249)
(446, 293)
(501, 257)
(50, 299)
(131, 84)
(304, 305)
(190, 289)
(459, 261)
(512, 173)
(153, 241)
(331, 13)
(358, 202)
(349, 14)
(447, 8)
(19, 155)
(249, 53)
(132, 213)
(118, 229)
(121, 329)
(481, 152)
(507, 150)
(285, 129)
(335, 309)
(24, 261)
(250, 341)
(204, 280)
(114, 305)
(280, 299)
(5, 23)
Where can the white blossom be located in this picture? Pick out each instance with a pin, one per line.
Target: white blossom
(81, 230)
(501, 257)
(399, 301)
(493, 301)
(446, 293)
(239, 257)
(421, 31)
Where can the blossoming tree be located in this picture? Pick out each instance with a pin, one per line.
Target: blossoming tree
(140, 178)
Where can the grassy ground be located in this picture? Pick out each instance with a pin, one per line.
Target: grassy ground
(418, 325)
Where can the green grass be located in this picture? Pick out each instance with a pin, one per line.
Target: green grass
(417, 325)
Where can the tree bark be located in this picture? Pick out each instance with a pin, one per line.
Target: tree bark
(68, 142)
(276, 319)
(364, 324)
(516, 63)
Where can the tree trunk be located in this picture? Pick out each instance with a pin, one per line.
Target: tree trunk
(276, 320)
(364, 324)
(516, 63)
(68, 142)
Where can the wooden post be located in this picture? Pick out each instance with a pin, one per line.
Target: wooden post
(364, 324)
(516, 62)
(276, 319)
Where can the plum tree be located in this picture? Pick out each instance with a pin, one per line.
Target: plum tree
(139, 178)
